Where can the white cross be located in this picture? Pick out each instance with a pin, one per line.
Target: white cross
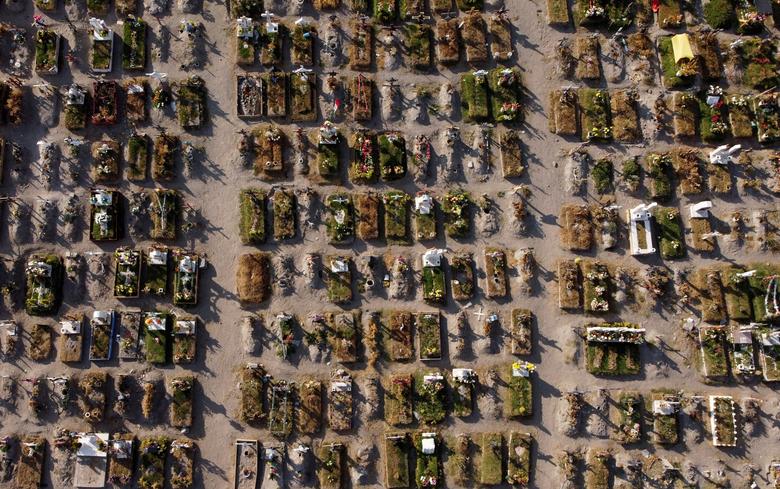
(479, 314)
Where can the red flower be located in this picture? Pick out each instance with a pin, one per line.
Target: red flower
(715, 118)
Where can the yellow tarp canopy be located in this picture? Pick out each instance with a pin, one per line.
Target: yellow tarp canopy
(681, 47)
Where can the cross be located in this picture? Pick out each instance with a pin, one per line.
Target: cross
(268, 16)
(479, 314)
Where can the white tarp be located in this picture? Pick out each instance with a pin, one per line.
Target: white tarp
(70, 327)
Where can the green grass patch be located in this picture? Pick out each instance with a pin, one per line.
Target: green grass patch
(396, 205)
(519, 400)
(134, 44)
(719, 14)
(392, 156)
(670, 232)
(505, 94)
(595, 114)
(340, 220)
(429, 332)
(474, 97)
(456, 206)
(252, 205)
(669, 68)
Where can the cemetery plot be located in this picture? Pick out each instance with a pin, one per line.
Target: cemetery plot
(520, 336)
(762, 287)
(596, 287)
(707, 283)
(675, 75)
(43, 290)
(361, 91)
(182, 463)
(92, 396)
(340, 220)
(670, 232)
(712, 341)
(770, 355)
(737, 294)
(569, 289)
(428, 452)
(430, 397)
(433, 277)
(271, 40)
(253, 278)
(767, 112)
(303, 88)
(741, 117)
(456, 206)
(103, 326)
(363, 164)
(367, 215)
(626, 414)
(392, 156)
(397, 335)
(164, 210)
(249, 98)
(151, 469)
(338, 278)
(191, 103)
(666, 408)
(613, 348)
(40, 343)
(686, 163)
(137, 156)
(251, 386)
(331, 466)
(577, 232)
(518, 399)
(181, 401)
(385, 11)
(184, 340)
(399, 393)
(156, 270)
(685, 109)
(247, 465)
(269, 142)
(285, 215)
(163, 160)
(130, 334)
(303, 36)
(474, 101)
(340, 401)
(310, 409)
(490, 459)
(563, 112)
(105, 103)
(447, 41)
(156, 339)
(75, 108)
(723, 421)
(343, 335)
(474, 38)
(759, 63)
(429, 334)
(519, 460)
(362, 46)
(595, 115)
(396, 216)
(660, 168)
(512, 165)
(500, 38)
(275, 93)
(424, 216)
(558, 13)
(586, 52)
(397, 447)
(71, 341)
(463, 276)
(280, 408)
(625, 116)
(495, 271)
(121, 456)
(252, 224)
(134, 50)
(464, 385)
(328, 153)
(505, 95)
(29, 471)
(47, 52)
(104, 215)
(127, 273)
(742, 352)
(418, 45)
(598, 473)
(105, 161)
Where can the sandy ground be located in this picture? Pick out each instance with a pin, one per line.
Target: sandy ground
(213, 187)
